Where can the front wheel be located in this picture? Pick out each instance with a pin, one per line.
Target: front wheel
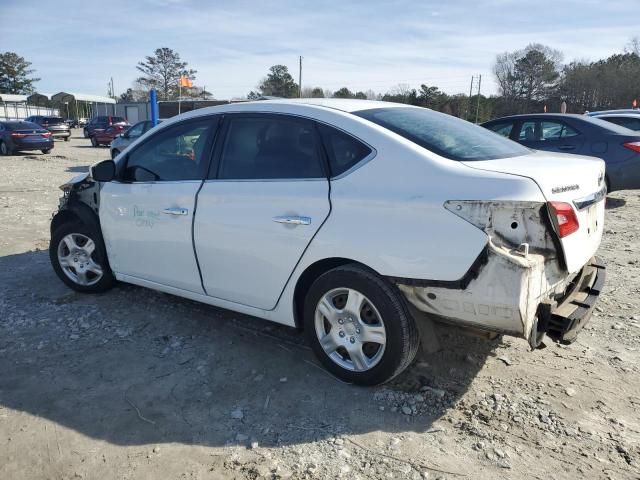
(4, 149)
(359, 325)
(79, 258)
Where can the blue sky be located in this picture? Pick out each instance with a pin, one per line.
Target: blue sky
(78, 45)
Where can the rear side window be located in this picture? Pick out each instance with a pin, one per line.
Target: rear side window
(443, 134)
(557, 130)
(343, 151)
(627, 122)
(175, 153)
(269, 147)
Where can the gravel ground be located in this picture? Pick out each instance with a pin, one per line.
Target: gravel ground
(140, 384)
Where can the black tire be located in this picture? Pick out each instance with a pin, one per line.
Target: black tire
(114, 153)
(85, 133)
(99, 256)
(46, 150)
(67, 138)
(402, 335)
(94, 142)
(5, 149)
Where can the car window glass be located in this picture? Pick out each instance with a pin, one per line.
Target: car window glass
(270, 146)
(556, 130)
(443, 134)
(529, 131)
(136, 130)
(175, 153)
(343, 151)
(503, 129)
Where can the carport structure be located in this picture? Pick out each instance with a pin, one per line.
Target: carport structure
(85, 105)
(12, 103)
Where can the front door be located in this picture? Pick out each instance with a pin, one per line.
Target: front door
(147, 214)
(267, 196)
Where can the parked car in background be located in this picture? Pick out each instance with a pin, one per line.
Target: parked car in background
(350, 218)
(101, 123)
(627, 120)
(56, 125)
(620, 110)
(104, 137)
(619, 147)
(23, 136)
(125, 139)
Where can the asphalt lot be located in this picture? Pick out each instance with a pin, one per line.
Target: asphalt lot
(139, 384)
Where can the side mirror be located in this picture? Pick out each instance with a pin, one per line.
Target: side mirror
(104, 171)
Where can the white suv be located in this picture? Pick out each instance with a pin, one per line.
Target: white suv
(355, 220)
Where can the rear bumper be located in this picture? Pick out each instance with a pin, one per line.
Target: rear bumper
(564, 322)
(45, 145)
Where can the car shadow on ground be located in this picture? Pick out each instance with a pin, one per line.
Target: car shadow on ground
(78, 169)
(133, 366)
(612, 203)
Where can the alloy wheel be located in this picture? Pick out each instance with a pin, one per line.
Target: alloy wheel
(350, 329)
(75, 258)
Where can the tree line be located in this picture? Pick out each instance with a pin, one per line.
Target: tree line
(532, 79)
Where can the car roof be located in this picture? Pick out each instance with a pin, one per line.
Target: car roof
(343, 104)
(618, 115)
(619, 110)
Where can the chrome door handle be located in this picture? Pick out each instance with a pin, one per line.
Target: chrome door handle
(175, 211)
(292, 220)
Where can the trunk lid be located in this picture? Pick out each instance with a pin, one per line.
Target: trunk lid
(572, 179)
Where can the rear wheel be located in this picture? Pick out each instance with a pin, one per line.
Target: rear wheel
(79, 258)
(66, 139)
(359, 325)
(46, 150)
(94, 142)
(85, 133)
(4, 149)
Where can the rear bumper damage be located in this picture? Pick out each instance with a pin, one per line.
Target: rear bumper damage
(517, 294)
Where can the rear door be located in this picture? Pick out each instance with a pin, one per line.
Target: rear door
(550, 135)
(147, 215)
(266, 197)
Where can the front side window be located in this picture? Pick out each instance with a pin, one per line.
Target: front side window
(136, 130)
(175, 153)
(503, 129)
(442, 134)
(343, 151)
(270, 147)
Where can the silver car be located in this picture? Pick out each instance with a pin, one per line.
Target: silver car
(123, 141)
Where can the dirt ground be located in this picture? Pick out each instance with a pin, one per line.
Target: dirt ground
(140, 384)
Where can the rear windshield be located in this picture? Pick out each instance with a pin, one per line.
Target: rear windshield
(52, 120)
(117, 120)
(447, 136)
(22, 126)
(612, 127)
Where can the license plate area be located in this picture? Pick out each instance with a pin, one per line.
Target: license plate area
(592, 219)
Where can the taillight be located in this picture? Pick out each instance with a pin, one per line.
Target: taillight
(635, 146)
(46, 134)
(18, 135)
(564, 217)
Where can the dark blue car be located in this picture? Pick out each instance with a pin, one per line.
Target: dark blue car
(619, 147)
(21, 136)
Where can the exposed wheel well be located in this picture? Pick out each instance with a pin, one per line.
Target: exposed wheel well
(311, 273)
(62, 217)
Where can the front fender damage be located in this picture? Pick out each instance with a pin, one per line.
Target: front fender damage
(521, 271)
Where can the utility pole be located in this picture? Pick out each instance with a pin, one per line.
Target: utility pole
(478, 105)
(300, 79)
(468, 112)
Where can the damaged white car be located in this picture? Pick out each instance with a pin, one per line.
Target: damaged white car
(354, 220)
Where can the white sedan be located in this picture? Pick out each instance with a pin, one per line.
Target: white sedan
(354, 220)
